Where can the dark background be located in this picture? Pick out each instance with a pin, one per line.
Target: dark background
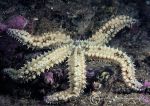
(80, 19)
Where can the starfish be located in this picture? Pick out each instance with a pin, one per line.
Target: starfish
(75, 52)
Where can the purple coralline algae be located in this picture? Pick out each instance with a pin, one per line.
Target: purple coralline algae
(48, 78)
(146, 84)
(15, 22)
(3, 27)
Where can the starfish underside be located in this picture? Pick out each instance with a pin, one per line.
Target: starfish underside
(76, 53)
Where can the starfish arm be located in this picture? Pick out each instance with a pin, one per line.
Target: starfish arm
(111, 28)
(39, 42)
(44, 62)
(77, 78)
(115, 55)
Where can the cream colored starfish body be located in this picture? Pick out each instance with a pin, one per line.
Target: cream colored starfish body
(76, 53)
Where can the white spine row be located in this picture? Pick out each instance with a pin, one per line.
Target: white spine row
(77, 73)
(111, 28)
(44, 62)
(77, 78)
(117, 56)
(45, 40)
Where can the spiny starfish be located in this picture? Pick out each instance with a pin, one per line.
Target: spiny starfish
(76, 51)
